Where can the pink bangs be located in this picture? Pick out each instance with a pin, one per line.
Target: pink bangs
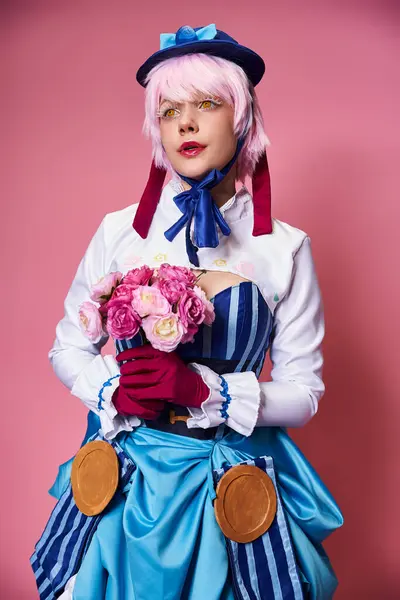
(173, 79)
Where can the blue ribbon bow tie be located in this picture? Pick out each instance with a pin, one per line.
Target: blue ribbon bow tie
(198, 204)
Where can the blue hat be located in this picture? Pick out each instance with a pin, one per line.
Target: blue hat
(207, 40)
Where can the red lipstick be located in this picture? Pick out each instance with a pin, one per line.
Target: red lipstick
(191, 149)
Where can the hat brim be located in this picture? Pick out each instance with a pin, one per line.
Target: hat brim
(251, 63)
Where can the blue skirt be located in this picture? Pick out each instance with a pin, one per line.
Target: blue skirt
(159, 538)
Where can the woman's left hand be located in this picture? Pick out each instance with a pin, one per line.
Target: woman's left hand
(151, 374)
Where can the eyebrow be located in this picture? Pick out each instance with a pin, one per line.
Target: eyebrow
(164, 100)
(193, 101)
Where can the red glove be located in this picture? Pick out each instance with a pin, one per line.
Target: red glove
(154, 375)
(126, 405)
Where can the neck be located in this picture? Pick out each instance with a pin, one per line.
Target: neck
(222, 192)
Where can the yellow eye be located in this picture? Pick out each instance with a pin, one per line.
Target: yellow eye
(206, 104)
(170, 112)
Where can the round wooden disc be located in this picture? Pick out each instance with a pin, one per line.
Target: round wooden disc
(245, 505)
(94, 477)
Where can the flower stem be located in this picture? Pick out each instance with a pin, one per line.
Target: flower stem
(202, 273)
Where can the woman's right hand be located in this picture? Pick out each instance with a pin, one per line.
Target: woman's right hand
(126, 405)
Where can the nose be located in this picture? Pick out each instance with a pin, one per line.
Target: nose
(187, 121)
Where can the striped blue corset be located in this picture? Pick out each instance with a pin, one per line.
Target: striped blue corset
(237, 340)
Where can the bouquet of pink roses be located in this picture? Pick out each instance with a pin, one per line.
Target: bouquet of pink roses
(164, 305)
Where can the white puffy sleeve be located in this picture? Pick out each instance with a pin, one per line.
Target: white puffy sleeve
(291, 398)
(76, 361)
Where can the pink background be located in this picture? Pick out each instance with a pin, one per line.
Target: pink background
(71, 115)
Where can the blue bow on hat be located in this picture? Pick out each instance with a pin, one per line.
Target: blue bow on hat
(186, 34)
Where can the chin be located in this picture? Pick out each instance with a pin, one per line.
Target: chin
(194, 173)
(194, 169)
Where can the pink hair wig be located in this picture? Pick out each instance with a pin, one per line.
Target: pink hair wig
(182, 78)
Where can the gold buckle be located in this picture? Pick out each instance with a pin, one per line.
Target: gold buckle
(173, 418)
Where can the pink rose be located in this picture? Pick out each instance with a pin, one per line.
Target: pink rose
(209, 306)
(183, 274)
(191, 311)
(171, 289)
(164, 333)
(140, 276)
(90, 322)
(102, 290)
(122, 321)
(121, 295)
(148, 300)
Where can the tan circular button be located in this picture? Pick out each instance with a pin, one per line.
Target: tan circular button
(94, 477)
(246, 503)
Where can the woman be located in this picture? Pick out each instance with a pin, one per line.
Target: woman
(179, 421)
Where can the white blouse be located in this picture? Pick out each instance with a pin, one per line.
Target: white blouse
(282, 267)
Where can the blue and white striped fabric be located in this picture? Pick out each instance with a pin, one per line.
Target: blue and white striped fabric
(243, 337)
(266, 568)
(59, 552)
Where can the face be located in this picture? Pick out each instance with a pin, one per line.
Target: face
(197, 136)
